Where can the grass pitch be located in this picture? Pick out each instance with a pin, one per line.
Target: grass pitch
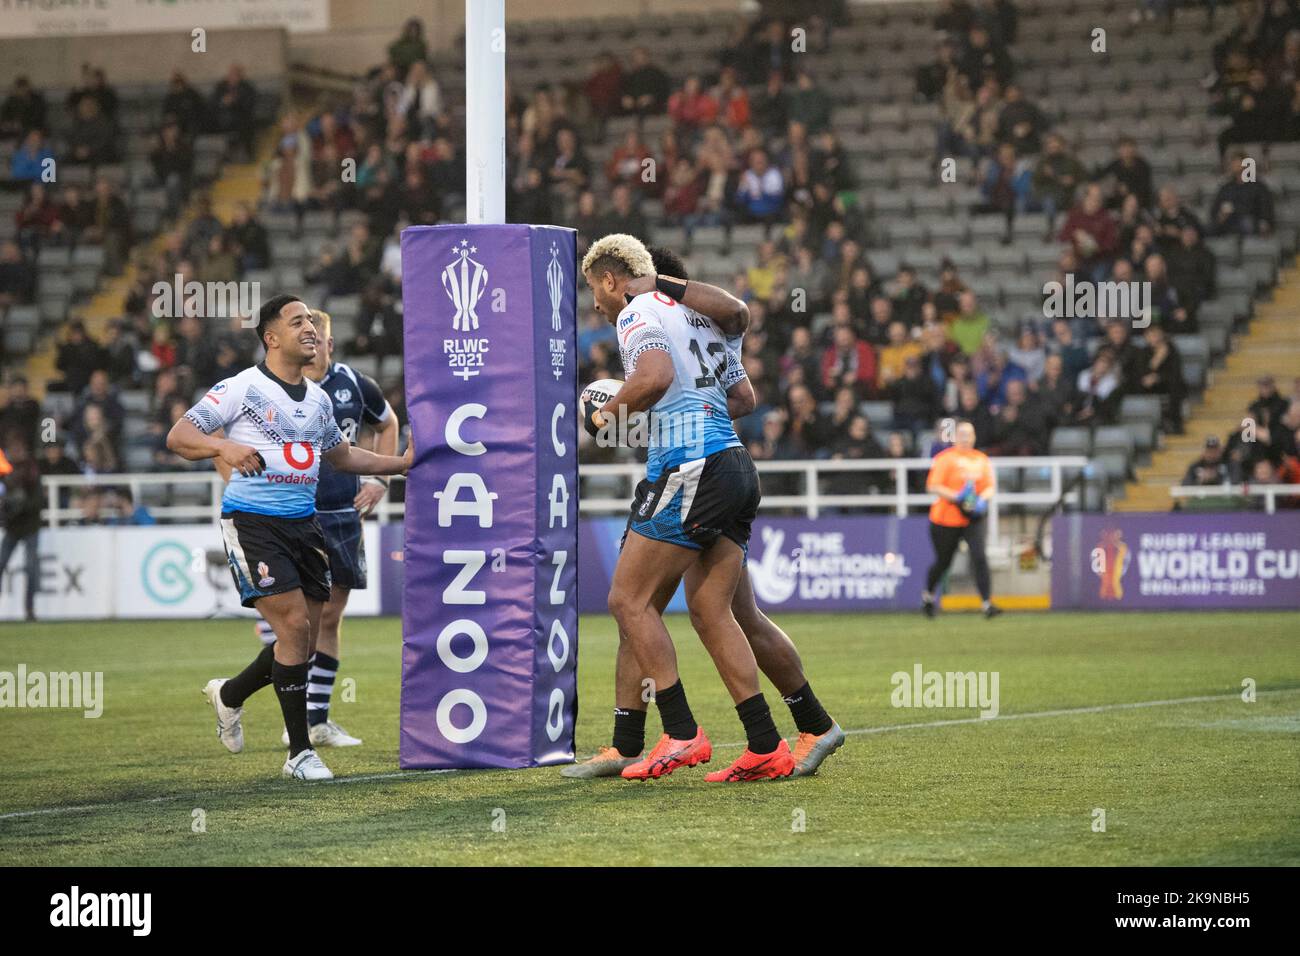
(1182, 781)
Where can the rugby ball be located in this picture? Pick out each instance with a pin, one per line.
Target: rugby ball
(601, 391)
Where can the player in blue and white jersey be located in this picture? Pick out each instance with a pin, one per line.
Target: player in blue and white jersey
(697, 505)
(342, 501)
(278, 426)
(774, 652)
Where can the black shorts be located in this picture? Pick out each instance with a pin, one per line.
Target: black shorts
(345, 546)
(270, 555)
(699, 501)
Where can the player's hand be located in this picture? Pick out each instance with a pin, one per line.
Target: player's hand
(368, 498)
(408, 457)
(980, 508)
(593, 419)
(640, 285)
(241, 458)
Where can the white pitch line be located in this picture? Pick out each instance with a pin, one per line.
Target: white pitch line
(887, 728)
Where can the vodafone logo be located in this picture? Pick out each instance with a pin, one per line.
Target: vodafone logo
(300, 463)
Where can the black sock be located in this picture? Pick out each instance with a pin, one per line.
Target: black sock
(679, 722)
(809, 715)
(291, 687)
(629, 731)
(250, 680)
(760, 728)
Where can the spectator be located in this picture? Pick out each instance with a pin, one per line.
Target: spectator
(848, 362)
(809, 104)
(110, 226)
(603, 87)
(20, 511)
(645, 87)
(628, 163)
(1192, 270)
(184, 106)
(248, 239)
(22, 111)
(78, 357)
(1161, 373)
(1091, 231)
(20, 415)
(692, 107)
(732, 100)
(94, 86)
(1006, 185)
(1166, 309)
(1259, 114)
(771, 108)
(984, 59)
(760, 194)
(1172, 217)
(1269, 406)
(1056, 391)
(1056, 177)
(1128, 174)
(421, 100)
(92, 139)
(172, 159)
(1020, 122)
(769, 53)
(1028, 354)
(37, 220)
(233, 109)
(807, 431)
(33, 161)
(17, 277)
(909, 296)
(893, 357)
(1022, 424)
(409, 47)
(624, 216)
(1209, 468)
(1100, 392)
(1241, 207)
(916, 403)
(100, 395)
(969, 326)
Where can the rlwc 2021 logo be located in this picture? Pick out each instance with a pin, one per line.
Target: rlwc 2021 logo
(555, 292)
(465, 280)
(821, 567)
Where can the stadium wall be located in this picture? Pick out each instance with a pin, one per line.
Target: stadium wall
(144, 58)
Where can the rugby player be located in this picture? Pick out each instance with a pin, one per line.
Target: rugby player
(775, 653)
(342, 502)
(279, 425)
(963, 482)
(697, 504)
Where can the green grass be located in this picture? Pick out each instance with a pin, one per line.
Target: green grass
(1201, 783)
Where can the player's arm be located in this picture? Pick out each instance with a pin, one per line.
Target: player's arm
(991, 476)
(199, 435)
(648, 383)
(741, 399)
(360, 461)
(186, 440)
(934, 483)
(223, 469)
(382, 439)
(711, 301)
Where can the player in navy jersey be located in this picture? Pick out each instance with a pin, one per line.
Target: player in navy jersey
(776, 655)
(278, 426)
(342, 501)
(696, 504)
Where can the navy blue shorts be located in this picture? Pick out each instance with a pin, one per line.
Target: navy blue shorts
(345, 546)
(699, 501)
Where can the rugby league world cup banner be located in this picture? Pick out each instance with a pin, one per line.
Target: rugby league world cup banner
(489, 603)
(1176, 561)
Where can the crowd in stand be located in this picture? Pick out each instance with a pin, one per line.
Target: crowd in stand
(748, 141)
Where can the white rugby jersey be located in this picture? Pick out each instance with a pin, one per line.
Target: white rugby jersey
(691, 419)
(259, 410)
